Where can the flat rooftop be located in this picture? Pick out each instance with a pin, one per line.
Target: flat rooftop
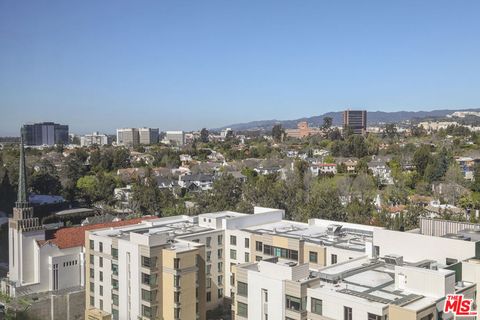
(347, 238)
(372, 281)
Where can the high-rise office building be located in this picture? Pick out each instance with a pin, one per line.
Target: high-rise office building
(128, 137)
(45, 133)
(356, 120)
(148, 135)
(132, 137)
(175, 137)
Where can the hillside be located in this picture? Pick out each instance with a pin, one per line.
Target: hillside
(373, 118)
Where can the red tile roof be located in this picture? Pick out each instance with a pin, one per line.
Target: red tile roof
(75, 236)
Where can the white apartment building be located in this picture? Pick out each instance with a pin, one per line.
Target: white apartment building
(94, 139)
(175, 137)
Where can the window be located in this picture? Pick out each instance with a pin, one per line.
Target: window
(242, 289)
(176, 281)
(258, 246)
(92, 245)
(293, 303)
(220, 280)
(209, 282)
(92, 287)
(209, 242)
(146, 262)
(267, 250)
(209, 296)
(247, 243)
(177, 313)
(233, 254)
(101, 290)
(220, 293)
(372, 316)
(100, 262)
(115, 284)
(264, 295)
(233, 240)
(242, 309)
(92, 273)
(101, 304)
(313, 257)
(100, 246)
(209, 268)
(115, 269)
(115, 299)
(247, 257)
(316, 306)
(209, 256)
(176, 297)
(220, 239)
(92, 301)
(146, 295)
(220, 267)
(92, 259)
(334, 259)
(146, 311)
(145, 278)
(101, 275)
(220, 253)
(347, 313)
(115, 253)
(176, 263)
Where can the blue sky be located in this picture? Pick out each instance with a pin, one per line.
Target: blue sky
(98, 65)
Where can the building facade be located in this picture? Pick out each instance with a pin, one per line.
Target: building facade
(175, 137)
(303, 130)
(45, 133)
(132, 137)
(355, 120)
(93, 139)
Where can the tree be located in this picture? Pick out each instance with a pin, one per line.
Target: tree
(360, 212)
(421, 159)
(327, 123)
(204, 135)
(43, 182)
(7, 194)
(277, 133)
(391, 130)
(226, 194)
(323, 201)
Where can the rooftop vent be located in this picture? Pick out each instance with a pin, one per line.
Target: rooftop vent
(393, 259)
(334, 230)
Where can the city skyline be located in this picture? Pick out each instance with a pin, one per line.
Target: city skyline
(186, 66)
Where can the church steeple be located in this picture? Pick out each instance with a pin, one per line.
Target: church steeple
(22, 200)
(23, 218)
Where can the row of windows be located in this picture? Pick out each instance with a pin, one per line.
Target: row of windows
(280, 252)
(219, 255)
(70, 263)
(219, 293)
(233, 241)
(209, 240)
(233, 255)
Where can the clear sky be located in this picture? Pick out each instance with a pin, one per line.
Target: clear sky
(178, 64)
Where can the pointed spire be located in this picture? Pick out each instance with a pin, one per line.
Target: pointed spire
(22, 176)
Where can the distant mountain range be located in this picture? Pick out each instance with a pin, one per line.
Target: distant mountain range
(373, 118)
